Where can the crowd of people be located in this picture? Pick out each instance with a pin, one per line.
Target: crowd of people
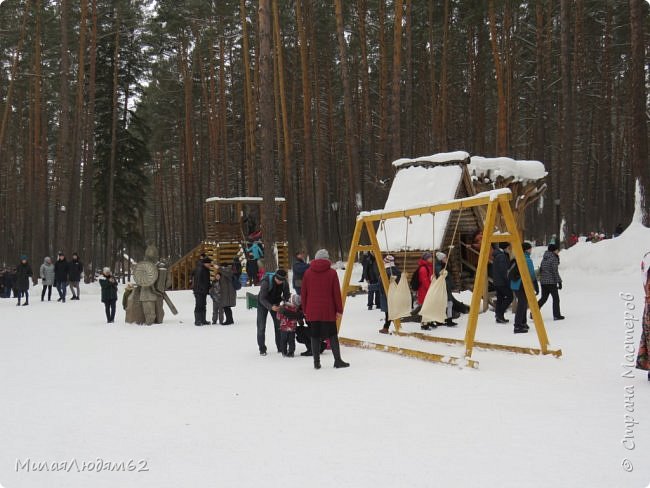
(60, 274)
(308, 316)
(506, 281)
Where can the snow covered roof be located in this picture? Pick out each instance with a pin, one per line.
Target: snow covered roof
(241, 199)
(448, 157)
(494, 167)
(417, 186)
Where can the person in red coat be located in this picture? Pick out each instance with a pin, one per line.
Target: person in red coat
(321, 303)
(425, 275)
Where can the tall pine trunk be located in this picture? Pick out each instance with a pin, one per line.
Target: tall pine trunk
(351, 139)
(639, 135)
(265, 91)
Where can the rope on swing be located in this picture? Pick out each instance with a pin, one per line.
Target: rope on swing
(453, 237)
(434, 307)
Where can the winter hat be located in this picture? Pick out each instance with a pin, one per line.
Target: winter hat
(389, 259)
(23, 257)
(296, 300)
(427, 255)
(206, 260)
(504, 245)
(440, 255)
(526, 246)
(106, 270)
(280, 275)
(552, 247)
(322, 254)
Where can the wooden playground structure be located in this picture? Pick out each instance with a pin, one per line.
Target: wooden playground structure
(227, 224)
(498, 207)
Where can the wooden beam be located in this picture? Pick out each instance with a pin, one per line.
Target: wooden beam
(440, 207)
(401, 351)
(480, 277)
(478, 344)
(526, 280)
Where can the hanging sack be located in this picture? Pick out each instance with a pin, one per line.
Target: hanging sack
(398, 298)
(434, 308)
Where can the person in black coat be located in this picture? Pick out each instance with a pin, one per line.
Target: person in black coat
(10, 282)
(372, 277)
(61, 270)
(500, 281)
(201, 287)
(108, 284)
(23, 275)
(274, 289)
(74, 275)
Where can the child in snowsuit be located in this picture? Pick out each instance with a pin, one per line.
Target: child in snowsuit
(290, 314)
(217, 305)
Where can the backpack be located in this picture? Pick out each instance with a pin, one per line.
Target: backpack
(415, 279)
(269, 275)
(513, 271)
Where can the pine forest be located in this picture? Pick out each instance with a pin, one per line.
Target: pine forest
(119, 118)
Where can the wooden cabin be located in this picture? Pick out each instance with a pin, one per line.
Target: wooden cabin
(429, 180)
(228, 222)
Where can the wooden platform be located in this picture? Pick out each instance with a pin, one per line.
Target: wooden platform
(220, 253)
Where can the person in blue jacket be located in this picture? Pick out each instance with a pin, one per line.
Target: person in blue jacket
(299, 268)
(517, 287)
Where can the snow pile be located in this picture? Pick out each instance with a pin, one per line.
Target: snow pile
(621, 254)
(241, 199)
(434, 158)
(418, 186)
(494, 167)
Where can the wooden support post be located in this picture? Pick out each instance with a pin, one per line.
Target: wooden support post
(356, 235)
(526, 280)
(370, 228)
(481, 277)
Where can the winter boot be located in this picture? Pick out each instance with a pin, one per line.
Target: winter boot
(315, 348)
(336, 351)
(197, 319)
(229, 320)
(450, 323)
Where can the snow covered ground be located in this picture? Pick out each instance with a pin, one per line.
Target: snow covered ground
(198, 407)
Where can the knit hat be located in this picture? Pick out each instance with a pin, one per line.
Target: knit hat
(23, 258)
(389, 259)
(504, 245)
(427, 255)
(281, 275)
(526, 246)
(206, 260)
(296, 300)
(322, 254)
(106, 270)
(552, 247)
(440, 255)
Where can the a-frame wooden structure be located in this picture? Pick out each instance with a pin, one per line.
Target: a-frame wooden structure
(497, 203)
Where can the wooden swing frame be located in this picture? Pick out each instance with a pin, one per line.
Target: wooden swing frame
(498, 203)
